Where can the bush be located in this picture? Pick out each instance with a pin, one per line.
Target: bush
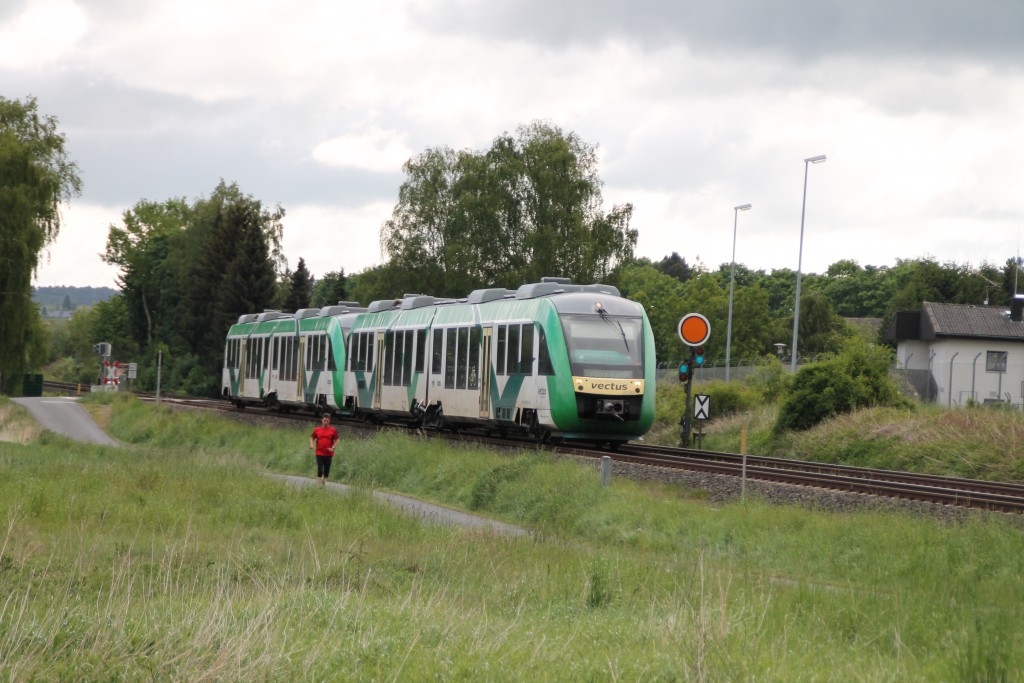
(857, 377)
(769, 380)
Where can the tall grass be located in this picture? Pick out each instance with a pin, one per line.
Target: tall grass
(175, 558)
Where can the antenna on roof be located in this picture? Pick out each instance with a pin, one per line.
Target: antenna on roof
(1016, 264)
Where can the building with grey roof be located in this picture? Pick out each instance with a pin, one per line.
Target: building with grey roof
(954, 353)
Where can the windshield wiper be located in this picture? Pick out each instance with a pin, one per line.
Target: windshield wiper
(604, 316)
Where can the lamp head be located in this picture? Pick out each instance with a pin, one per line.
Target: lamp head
(742, 207)
(815, 160)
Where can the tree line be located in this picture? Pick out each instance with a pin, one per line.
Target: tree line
(527, 207)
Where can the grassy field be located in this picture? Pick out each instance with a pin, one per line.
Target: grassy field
(175, 558)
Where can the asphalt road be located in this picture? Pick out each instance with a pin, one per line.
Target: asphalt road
(64, 416)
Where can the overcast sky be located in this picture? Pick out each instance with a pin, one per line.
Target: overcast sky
(696, 107)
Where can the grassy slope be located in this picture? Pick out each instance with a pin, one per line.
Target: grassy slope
(175, 558)
(979, 443)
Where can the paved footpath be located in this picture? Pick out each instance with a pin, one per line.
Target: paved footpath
(65, 416)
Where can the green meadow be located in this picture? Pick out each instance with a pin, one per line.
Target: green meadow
(176, 557)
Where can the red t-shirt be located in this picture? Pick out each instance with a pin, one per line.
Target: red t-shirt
(325, 440)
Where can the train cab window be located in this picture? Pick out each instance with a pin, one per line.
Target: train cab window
(611, 347)
(438, 354)
(407, 359)
(502, 344)
(450, 338)
(421, 349)
(544, 366)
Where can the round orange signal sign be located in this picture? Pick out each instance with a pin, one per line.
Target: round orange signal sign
(694, 329)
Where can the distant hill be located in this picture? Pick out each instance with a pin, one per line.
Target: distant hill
(56, 299)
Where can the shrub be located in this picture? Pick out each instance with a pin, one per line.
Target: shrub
(857, 377)
(769, 380)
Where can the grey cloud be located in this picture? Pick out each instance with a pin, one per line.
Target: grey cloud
(132, 143)
(11, 9)
(796, 29)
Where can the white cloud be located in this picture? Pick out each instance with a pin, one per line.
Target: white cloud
(73, 260)
(331, 238)
(44, 33)
(372, 150)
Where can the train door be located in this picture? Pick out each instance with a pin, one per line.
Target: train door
(485, 374)
(378, 384)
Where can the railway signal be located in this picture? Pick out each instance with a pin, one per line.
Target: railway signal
(694, 331)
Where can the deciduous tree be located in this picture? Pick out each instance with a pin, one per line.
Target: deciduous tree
(529, 207)
(36, 176)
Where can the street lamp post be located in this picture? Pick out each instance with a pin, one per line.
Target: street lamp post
(732, 285)
(799, 263)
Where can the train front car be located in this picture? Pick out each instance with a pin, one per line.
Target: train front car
(604, 343)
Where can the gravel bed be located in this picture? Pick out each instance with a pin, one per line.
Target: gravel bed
(722, 489)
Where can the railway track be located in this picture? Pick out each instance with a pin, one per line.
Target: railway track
(948, 491)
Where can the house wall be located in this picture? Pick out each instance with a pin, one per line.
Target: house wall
(958, 370)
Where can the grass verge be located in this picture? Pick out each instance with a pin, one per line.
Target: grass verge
(176, 558)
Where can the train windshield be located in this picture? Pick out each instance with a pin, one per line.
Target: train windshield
(606, 346)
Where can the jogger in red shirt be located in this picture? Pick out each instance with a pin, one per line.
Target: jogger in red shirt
(323, 439)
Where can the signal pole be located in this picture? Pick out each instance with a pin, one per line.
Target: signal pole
(694, 331)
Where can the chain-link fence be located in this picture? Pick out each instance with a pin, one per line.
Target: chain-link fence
(956, 384)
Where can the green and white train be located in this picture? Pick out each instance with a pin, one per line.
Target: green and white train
(551, 359)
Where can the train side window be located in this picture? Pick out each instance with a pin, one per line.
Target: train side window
(421, 349)
(544, 366)
(331, 364)
(438, 354)
(371, 342)
(513, 350)
(474, 358)
(526, 362)
(462, 359)
(396, 377)
(450, 343)
(276, 346)
(389, 350)
(407, 359)
(502, 344)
